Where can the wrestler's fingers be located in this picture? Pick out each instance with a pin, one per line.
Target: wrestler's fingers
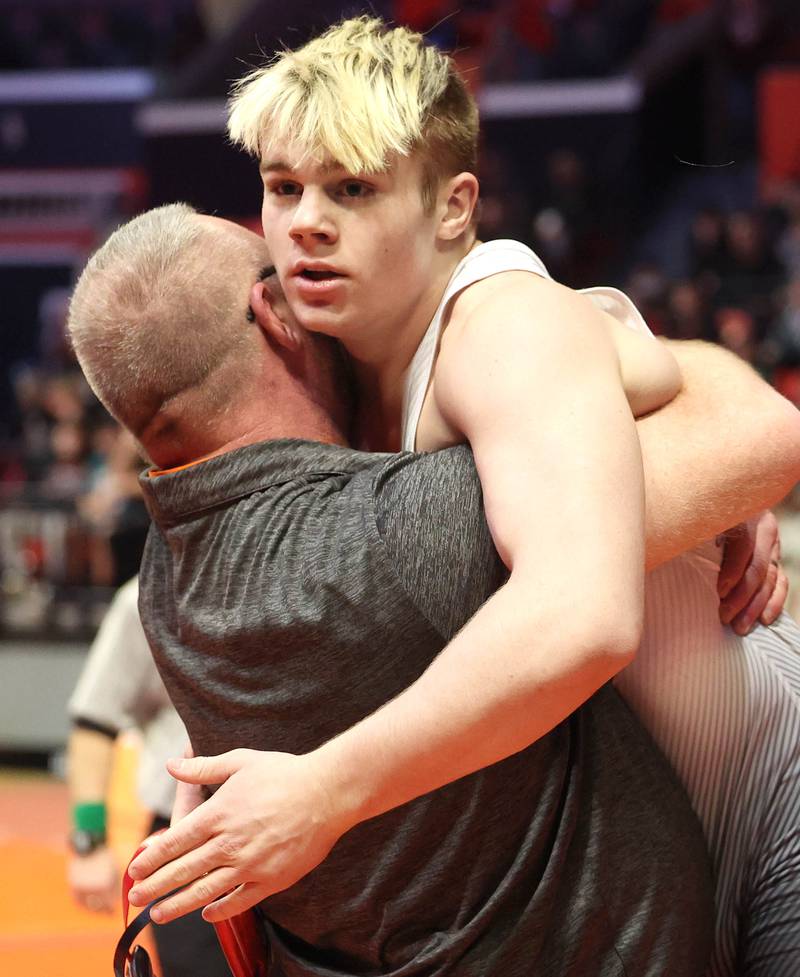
(191, 832)
(183, 870)
(243, 897)
(744, 622)
(777, 601)
(200, 893)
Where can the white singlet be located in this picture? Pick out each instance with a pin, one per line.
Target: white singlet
(724, 710)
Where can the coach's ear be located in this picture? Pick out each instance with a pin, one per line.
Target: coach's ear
(263, 312)
(457, 200)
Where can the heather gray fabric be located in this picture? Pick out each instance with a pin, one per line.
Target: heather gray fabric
(288, 589)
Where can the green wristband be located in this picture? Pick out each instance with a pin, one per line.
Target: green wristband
(90, 817)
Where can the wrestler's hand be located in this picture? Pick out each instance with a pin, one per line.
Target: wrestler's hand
(752, 584)
(269, 824)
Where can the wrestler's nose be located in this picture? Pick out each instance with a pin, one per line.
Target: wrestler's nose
(312, 222)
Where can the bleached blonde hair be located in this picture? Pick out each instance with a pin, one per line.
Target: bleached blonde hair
(359, 94)
(151, 314)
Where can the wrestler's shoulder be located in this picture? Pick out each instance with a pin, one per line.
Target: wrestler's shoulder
(520, 307)
(506, 287)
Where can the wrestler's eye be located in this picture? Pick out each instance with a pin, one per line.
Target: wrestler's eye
(354, 189)
(285, 188)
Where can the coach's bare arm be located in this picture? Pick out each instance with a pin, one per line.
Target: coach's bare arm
(725, 448)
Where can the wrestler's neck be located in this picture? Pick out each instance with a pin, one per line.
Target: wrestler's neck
(381, 368)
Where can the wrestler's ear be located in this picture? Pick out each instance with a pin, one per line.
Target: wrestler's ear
(456, 204)
(274, 327)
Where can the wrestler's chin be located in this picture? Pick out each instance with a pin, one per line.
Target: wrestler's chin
(327, 318)
(319, 309)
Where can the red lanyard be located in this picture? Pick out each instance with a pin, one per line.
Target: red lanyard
(241, 939)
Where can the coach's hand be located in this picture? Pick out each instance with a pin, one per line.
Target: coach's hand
(270, 823)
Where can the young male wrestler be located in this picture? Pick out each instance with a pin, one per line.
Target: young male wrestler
(148, 337)
(366, 139)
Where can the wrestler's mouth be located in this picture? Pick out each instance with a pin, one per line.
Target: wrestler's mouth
(319, 276)
(317, 283)
(316, 271)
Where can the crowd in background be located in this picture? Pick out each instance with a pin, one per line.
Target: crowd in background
(501, 40)
(53, 34)
(733, 276)
(72, 520)
(741, 288)
(739, 270)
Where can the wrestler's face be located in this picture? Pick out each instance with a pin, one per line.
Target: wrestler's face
(329, 370)
(353, 252)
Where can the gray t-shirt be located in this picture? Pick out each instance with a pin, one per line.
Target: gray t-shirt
(288, 590)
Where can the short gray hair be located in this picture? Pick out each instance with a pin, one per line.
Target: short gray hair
(151, 314)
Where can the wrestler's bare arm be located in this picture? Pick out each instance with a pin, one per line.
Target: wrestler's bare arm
(649, 372)
(537, 663)
(563, 492)
(725, 449)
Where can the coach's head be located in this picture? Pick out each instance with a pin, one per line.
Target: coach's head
(181, 330)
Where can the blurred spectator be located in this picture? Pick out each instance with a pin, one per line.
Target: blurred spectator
(73, 523)
(647, 285)
(571, 227)
(553, 241)
(736, 330)
(788, 244)
(96, 41)
(521, 43)
(707, 251)
(674, 11)
(62, 397)
(526, 40)
(33, 443)
(113, 509)
(55, 34)
(782, 344)
(752, 272)
(21, 27)
(67, 474)
(53, 345)
(687, 314)
(43, 404)
(569, 189)
(504, 204)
